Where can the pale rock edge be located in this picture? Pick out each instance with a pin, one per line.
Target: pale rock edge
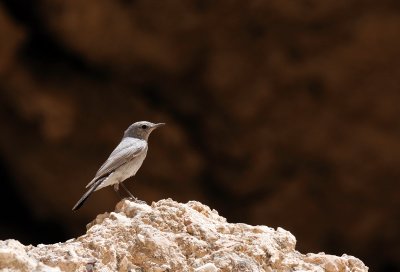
(171, 236)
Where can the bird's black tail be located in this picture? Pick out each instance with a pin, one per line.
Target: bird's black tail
(87, 194)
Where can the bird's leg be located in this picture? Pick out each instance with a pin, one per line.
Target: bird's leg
(116, 189)
(129, 193)
(132, 197)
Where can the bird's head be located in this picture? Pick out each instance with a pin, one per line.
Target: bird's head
(141, 130)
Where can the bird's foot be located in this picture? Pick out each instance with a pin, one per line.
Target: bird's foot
(136, 200)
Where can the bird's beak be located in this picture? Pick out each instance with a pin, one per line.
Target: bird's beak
(158, 125)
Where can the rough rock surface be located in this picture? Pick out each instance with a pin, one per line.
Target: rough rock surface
(171, 236)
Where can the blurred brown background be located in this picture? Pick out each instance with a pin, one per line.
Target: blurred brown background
(283, 113)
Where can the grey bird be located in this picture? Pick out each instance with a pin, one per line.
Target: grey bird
(124, 161)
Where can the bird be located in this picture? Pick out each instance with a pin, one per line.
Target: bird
(123, 162)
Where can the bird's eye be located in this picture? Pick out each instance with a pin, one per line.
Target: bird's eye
(144, 126)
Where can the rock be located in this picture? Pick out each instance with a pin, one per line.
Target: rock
(171, 236)
(14, 256)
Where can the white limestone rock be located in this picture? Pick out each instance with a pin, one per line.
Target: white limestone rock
(171, 236)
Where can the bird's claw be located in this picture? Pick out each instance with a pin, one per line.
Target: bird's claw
(136, 200)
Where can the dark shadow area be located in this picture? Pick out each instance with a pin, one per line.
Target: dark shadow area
(19, 221)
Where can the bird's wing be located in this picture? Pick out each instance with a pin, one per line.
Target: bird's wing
(124, 152)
